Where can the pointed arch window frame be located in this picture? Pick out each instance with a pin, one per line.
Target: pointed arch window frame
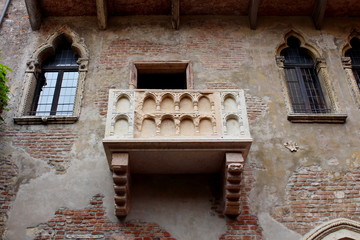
(334, 115)
(339, 228)
(349, 69)
(33, 73)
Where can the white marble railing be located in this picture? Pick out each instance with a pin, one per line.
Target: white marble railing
(148, 114)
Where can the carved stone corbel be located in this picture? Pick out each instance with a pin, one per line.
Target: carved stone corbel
(33, 66)
(83, 64)
(234, 164)
(280, 60)
(121, 177)
(320, 63)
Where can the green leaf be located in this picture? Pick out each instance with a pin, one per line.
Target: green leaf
(4, 89)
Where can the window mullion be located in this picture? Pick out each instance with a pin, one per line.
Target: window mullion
(55, 101)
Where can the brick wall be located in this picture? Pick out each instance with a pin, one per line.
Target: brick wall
(8, 179)
(51, 145)
(214, 47)
(246, 225)
(255, 106)
(15, 30)
(315, 196)
(91, 223)
(102, 98)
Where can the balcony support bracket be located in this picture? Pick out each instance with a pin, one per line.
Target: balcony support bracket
(234, 165)
(121, 177)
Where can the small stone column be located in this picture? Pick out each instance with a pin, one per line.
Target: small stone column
(121, 177)
(234, 164)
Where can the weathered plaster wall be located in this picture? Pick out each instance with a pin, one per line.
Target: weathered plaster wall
(286, 194)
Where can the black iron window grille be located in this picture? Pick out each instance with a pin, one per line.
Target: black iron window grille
(302, 81)
(354, 54)
(56, 87)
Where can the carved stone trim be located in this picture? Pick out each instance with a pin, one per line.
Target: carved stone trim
(121, 177)
(280, 60)
(324, 231)
(33, 66)
(355, 91)
(292, 146)
(354, 33)
(320, 63)
(29, 120)
(327, 86)
(234, 164)
(225, 110)
(77, 44)
(314, 52)
(83, 64)
(317, 118)
(346, 62)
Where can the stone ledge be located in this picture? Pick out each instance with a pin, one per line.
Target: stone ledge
(317, 118)
(176, 156)
(36, 120)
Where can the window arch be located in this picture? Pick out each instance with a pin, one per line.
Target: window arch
(302, 81)
(354, 54)
(54, 80)
(351, 63)
(340, 229)
(310, 96)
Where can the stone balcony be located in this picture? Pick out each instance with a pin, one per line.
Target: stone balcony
(176, 132)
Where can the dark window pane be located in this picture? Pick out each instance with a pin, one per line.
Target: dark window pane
(64, 56)
(357, 76)
(293, 83)
(313, 91)
(162, 81)
(296, 56)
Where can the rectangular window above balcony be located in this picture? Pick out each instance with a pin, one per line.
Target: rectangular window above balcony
(161, 75)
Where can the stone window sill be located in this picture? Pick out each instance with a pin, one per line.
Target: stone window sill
(317, 118)
(35, 120)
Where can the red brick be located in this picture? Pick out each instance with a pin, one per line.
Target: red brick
(315, 203)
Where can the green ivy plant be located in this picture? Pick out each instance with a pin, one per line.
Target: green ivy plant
(4, 89)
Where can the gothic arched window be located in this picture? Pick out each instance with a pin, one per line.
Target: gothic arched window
(302, 81)
(56, 86)
(54, 80)
(354, 54)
